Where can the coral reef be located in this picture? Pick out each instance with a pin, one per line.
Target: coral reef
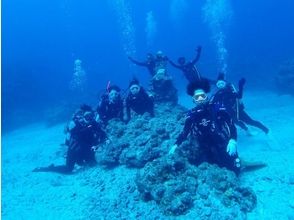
(178, 186)
(174, 182)
(143, 139)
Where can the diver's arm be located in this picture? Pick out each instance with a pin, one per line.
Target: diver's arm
(148, 100)
(126, 110)
(70, 126)
(185, 132)
(98, 132)
(174, 65)
(233, 130)
(137, 62)
(121, 111)
(232, 142)
(183, 135)
(102, 107)
(165, 58)
(199, 48)
(241, 88)
(101, 134)
(232, 91)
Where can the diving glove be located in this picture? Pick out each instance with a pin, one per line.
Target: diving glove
(232, 147)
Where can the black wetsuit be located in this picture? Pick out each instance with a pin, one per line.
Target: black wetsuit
(213, 129)
(229, 99)
(160, 63)
(108, 110)
(149, 63)
(139, 103)
(189, 69)
(152, 64)
(82, 138)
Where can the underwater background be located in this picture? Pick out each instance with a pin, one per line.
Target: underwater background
(59, 54)
(42, 39)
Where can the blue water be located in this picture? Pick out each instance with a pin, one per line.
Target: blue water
(42, 39)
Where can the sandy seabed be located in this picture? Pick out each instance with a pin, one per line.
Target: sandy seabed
(88, 193)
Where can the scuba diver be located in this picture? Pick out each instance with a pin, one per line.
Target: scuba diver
(189, 69)
(227, 97)
(214, 129)
(161, 84)
(149, 63)
(84, 133)
(137, 100)
(111, 105)
(160, 63)
(153, 63)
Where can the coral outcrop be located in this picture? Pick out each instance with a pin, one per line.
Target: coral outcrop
(174, 182)
(143, 139)
(177, 186)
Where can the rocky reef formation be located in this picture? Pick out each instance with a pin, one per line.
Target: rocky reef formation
(177, 187)
(285, 78)
(143, 139)
(175, 183)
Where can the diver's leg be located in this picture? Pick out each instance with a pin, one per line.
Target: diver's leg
(52, 168)
(89, 157)
(248, 120)
(64, 169)
(241, 124)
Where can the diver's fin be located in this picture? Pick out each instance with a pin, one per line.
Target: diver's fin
(44, 169)
(251, 166)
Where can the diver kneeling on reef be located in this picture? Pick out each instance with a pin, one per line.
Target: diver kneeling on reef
(110, 105)
(84, 133)
(214, 129)
(138, 101)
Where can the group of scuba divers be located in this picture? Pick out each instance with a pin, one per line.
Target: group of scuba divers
(212, 121)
